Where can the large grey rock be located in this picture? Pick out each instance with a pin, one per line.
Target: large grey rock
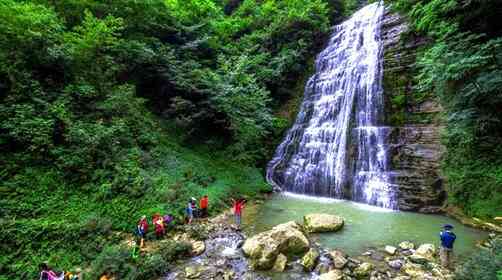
(322, 222)
(263, 248)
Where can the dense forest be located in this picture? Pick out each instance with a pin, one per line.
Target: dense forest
(114, 109)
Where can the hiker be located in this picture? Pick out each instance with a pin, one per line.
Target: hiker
(135, 250)
(142, 229)
(195, 210)
(168, 219)
(447, 239)
(158, 222)
(203, 206)
(237, 208)
(189, 211)
(72, 276)
(106, 276)
(47, 273)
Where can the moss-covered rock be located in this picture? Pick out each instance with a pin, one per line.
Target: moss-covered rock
(322, 222)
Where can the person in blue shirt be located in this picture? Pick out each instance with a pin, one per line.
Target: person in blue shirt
(447, 239)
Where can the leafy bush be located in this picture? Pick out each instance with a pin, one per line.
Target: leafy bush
(484, 265)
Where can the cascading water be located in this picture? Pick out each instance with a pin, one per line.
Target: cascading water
(337, 147)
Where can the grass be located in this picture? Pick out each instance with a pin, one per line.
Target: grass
(48, 219)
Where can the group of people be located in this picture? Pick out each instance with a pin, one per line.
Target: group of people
(159, 222)
(192, 211)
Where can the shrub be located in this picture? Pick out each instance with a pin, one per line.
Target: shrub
(171, 250)
(483, 265)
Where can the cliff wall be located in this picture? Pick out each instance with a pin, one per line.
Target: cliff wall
(416, 149)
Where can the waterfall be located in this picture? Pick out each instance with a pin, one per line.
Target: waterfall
(337, 146)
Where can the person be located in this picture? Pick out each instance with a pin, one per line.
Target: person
(47, 273)
(142, 229)
(189, 212)
(237, 207)
(105, 276)
(72, 276)
(195, 210)
(168, 219)
(158, 222)
(203, 206)
(135, 250)
(447, 239)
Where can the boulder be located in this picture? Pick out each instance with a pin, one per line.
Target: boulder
(363, 270)
(416, 271)
(322, 222)
(339, 259)
(280, 263)
(198, 247)
(263, 248)
(193, 272)
(334, 274)
(391, 250)
(425, 251)
(309, 260)
(406, 245)
(228, 275)
(419, 259)
(396, 264)
(322, 268)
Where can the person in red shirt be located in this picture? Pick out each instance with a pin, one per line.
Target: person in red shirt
(237, 207)
(203, 206)
(158, 222)
(142, 229)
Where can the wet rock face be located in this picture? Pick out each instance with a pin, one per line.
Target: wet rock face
(415, 149)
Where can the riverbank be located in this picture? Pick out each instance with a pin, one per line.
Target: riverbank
(223, 258)
(493, 226)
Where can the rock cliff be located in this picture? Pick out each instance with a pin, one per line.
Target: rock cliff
(415, 120)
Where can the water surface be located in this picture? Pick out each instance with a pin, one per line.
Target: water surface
(365, 226)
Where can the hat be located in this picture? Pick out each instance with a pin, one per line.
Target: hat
(143, 217)
(193, 198)
(447, 226)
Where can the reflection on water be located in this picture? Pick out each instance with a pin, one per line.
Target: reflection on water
(365, 226)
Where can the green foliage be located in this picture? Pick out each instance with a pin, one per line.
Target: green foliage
(117, 261)
(484, 265)
(114, 109)
(462, 66)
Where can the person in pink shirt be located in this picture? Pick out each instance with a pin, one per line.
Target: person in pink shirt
(47, 273)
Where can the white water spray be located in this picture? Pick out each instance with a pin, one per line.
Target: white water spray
(337, 147)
